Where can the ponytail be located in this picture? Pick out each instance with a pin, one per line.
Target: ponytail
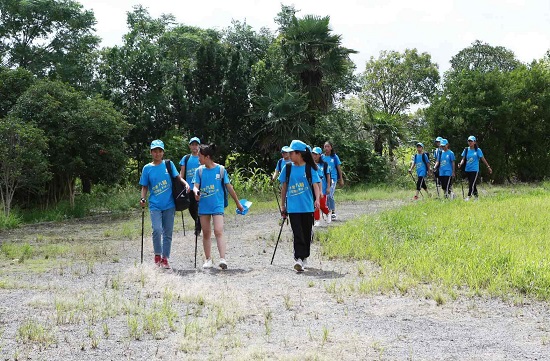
(308, 158)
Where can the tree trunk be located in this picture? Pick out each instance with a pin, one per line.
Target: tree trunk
(86, 185)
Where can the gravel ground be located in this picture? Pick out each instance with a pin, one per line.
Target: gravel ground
(106, 306)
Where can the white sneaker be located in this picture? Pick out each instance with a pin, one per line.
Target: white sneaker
(304, 264)
(329, 218)
(299, 266)
(208, 263)
(333, 216)
(467, 199)
(316, 224)
(222, 263)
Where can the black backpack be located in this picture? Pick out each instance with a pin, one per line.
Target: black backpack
(181, 198)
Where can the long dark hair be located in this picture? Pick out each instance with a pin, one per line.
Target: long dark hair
(308, 158)
(332, 151)
(208, 150)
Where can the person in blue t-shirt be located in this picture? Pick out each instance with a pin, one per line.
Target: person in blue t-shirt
(209, 186)
(323, 169)
(334, 163)
(471, 156)
(285, 153)
(446, 165)
(299, 198)
(189, 164)
(422, 163)
(436, 154)
(156, 180)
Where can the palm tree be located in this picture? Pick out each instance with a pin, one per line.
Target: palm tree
(317, 60)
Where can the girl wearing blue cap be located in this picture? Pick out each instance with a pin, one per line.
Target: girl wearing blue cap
(446, 166)
(323, 170)
(189, 163)
(334, 162)
(471, 156)
(156, 180)
(421, 161)
(281, 162)
(210, 184)
(299, 198)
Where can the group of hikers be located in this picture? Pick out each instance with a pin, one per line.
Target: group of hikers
(307, 177)
(444, 169)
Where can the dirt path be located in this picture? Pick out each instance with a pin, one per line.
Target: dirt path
(105, 306)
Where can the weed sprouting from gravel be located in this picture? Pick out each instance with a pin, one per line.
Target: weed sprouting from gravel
(32, 331)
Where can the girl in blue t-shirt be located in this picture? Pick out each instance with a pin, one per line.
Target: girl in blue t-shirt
(189, 163)
(156, 180)
(281, 162)
(446, 165)
(334, 162)
(421, 161)
(471, 156)
(209, 186)
(323, 170)
(299, 198)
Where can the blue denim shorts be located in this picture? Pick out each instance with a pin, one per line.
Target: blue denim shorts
(212, 214)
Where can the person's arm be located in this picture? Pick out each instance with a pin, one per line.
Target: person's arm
(233, 194)
(143, 195)
(316, 190)
(339, 171)
(328, 183)
(275, 175)
(412, 165)
(283, 200)
(487, 164)
(182, 171)
(453, 165)
(184, 182)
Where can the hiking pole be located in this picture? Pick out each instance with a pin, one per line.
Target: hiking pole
(462, 186)
(183, 223)
(277, 198)
(278, 238)
(436, 185)
(415, 183)
(196, 240)
(142, 223)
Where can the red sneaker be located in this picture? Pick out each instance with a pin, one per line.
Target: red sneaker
(157, 260)
(415, 198)
(164, 263)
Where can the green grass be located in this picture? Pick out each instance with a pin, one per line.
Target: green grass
(498, 246)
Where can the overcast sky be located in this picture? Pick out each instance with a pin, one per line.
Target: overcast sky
(440, 27)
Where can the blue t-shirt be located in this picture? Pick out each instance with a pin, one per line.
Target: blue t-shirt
(159, 184)
(281, 164)
(192, 165)
(299, 195)
(421, 169)
(473, 157)
(436, 153)
(321, 171)
(332, 161)
(446, 166)
(210, 185)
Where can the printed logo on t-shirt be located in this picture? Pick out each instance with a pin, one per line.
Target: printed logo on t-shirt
(218, 176)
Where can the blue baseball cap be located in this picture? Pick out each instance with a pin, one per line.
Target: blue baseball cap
(420, 145)
(194, 139)
(444, 142)
(438, 139)
(317, 150)
(157, 143)
(472, 138)
(298, 146)
(286, 149)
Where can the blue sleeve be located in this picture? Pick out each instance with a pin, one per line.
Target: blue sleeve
(282, 175)
(197, 177)
(315, 177)
(452, 157)
(479, 153)
(175, 172)
(337, 160)
(464, 154)
(144, 179)
(225, 177)
(182, 161)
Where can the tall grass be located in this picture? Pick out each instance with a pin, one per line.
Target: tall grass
(498, 246)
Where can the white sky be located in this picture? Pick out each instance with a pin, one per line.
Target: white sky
(440, 27)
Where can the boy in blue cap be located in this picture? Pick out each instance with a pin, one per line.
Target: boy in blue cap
(189, 164)
(156, 180)
(285, 154)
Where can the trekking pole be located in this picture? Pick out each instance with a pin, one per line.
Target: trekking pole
(436, 185)
(196, 240)
(142, 223)
(277, 198)
(414, 181)
(183, 223)
(278, 238)
(462, 186)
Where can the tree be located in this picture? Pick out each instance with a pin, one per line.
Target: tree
(50, 38)
(22, 152)
(317, 59)
(83, 134)
(13, 83)
(484, 58)
(390, 85)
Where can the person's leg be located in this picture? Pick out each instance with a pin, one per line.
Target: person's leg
(444, 184)
(317, 214)
(206, 233)
(156, 225)
(470, 183)
(418, 185)
(476, 175)
(307, 224)
(297, 231)
(330, 197)
(323, 204)
(218, 233)
(194, 212)
(167, 229)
